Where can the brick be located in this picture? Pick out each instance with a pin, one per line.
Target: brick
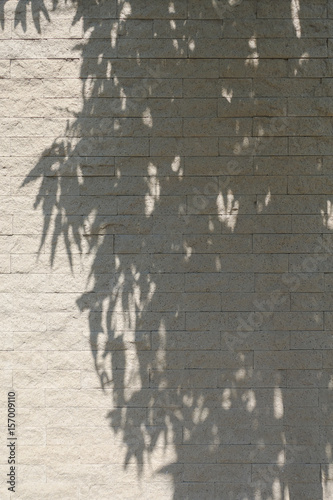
(200, 490)
(271, 48)
(215, 127)
(193, 28)
(235, 68)
(304, 205)
(306, 491)
(253, 146)
(200, 203)
(285, 87)
(4, 68)
(5, 148)
(189, 340)
(218, 473)
(136, 166)
(278, 127)
(250, 378)
(235, 282)
(281, 28)
(288, 360)
(50, 68)
(310, 146)
(308, 302)
(149, 48)
(275, 301)
(255, 185)
(310, 106)
(48, 379)
(57, 28)
(158, 10)
(284, 243)
(316, 9)
(218, 243)
(246, 107)
(218, 166)
(308, 378)
(307, 67)
(291, 472)
(288, 165)
(311, 223)
(293, 282)
(31, 49)
(221, 11)
(75, 397)
(310, 340)
(206, 146)
(188, 379)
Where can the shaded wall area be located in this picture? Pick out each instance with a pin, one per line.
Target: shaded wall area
(167, 267)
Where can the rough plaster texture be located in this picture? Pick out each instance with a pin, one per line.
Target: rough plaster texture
(166, 248)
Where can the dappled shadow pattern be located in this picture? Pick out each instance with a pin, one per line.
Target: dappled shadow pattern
(177, 256)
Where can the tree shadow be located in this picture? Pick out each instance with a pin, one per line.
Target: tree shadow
(192, 301)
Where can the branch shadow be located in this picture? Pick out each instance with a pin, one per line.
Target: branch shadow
(193, 379)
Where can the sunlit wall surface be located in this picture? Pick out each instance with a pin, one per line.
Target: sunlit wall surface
(166, 249)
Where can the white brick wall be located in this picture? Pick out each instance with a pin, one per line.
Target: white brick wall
(166, 249)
